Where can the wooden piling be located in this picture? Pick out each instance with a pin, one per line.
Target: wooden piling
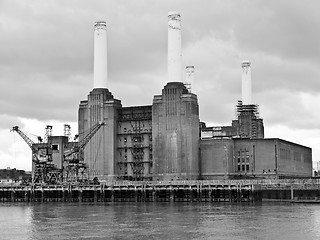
(13, 194)
(192, 191)
(95, 195)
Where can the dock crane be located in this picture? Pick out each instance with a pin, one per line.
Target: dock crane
(43, 170)
(75, 167)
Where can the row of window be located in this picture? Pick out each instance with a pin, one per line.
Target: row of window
(243, 167)
(285, 154)
(135, 139)
(135, 149)
(243, 160)
(136, 129)
(136, 155)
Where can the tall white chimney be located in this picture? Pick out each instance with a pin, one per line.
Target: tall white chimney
(174, 47)
(189, 77)
(246, 83)
(100, 71)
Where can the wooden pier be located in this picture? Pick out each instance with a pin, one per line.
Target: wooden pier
(184, 191)
(167, 191)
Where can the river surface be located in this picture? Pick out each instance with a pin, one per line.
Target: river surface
(159, 221)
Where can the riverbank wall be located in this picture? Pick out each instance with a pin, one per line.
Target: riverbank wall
(166, 191)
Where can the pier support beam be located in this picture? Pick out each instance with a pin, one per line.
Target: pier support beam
(102, 196)
(95, 195)
(155, 195)
(112, 195)
(42, 195)
(80, 195)
(64, 191)
(13, 195)
(171, 194)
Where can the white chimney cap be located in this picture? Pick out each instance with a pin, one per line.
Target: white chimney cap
(173, 13)
(100, 23)
(246, 63)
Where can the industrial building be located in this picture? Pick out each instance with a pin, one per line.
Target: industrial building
(166, 140)
(237, 158)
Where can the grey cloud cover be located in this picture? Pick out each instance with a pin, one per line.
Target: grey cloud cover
(46, 56)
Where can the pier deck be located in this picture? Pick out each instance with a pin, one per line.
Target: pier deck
(164, 191)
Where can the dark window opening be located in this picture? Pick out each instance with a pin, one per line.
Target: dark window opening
(55, 147)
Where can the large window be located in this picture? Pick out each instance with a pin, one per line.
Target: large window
(285, 154)
(243, 160)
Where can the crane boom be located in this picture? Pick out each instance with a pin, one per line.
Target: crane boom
(44, 171)
(75, 167)
(87, 138)
(41, 152)
(81, 145)
(25, 138)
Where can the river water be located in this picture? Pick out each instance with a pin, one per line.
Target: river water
(159, 221)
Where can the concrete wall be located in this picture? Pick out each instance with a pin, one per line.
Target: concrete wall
(101, 152)
(216, 158)
(260, 128)
(275, 157)
(268, 158)
(57, 155)
(293, 159)
(255, 157)
(175, 133)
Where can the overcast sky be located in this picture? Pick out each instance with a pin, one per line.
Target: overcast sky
(46, 62)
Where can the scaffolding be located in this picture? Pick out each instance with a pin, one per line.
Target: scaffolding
(250, 109)
(67, 131)
(139, 134)
(248, 120)
(137, 163)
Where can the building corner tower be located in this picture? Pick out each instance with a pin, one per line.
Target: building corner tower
(100, 106)
(248, 123)
(175, 118)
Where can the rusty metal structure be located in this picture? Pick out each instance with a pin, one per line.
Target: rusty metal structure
(75, 169)
(44, 171)
(135, 143)
(137, 163)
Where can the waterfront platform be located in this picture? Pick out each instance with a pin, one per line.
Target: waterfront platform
(165, 191)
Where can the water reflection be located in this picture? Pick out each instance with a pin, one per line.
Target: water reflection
(15, 221)
(159, 221)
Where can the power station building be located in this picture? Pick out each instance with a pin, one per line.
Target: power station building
(167, 141)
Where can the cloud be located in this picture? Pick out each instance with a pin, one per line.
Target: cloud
(8, 121)
(40, 96)
(285, 29)
(47, 63)
(290, 109)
